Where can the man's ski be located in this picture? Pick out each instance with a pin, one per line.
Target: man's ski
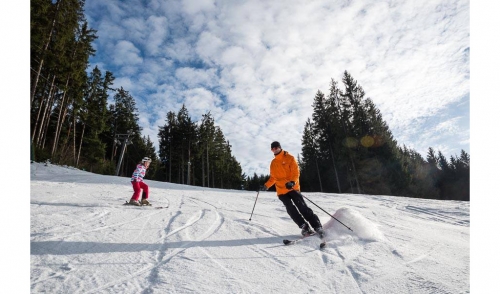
(291, 242)
(155, 207)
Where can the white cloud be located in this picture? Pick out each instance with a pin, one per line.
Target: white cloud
(208, 47)
(157, 31)
(180, 50)
(193, 77)
(125, 53)
(197, 6)
(199, 100)
(448, 126)
(136, 28)
(267, 60)
(124, 82)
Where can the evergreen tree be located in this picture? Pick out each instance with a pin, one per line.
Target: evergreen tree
(197, 155)
(310, 173)
(256, 181)
(206, 141)
(93, 118)
(188, 133)
(463, 177)
(219, 159)
(350, 100)
(419, 174)
(74, 62)
(60, 47)
(167, 144)
(454, 177)
(337, 134)
(124, 120)
(320, 140)
(348, 147)
(450, 179)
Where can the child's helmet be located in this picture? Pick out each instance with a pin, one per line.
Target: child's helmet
(146, 159)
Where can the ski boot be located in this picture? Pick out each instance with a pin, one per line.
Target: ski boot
(306, 230)
(134, 202)
(320, 232)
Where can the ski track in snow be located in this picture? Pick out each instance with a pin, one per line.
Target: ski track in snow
(163, 257)
(205, 242)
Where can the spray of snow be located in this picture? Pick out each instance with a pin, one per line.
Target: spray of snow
(360, 226)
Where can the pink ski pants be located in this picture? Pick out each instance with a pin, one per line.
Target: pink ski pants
(137, 190)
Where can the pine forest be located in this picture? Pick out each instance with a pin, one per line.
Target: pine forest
(78, 118)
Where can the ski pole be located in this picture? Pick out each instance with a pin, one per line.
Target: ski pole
(327, 213)
(254, 204)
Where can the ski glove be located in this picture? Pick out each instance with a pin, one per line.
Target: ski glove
(289, 185)
(263, 188)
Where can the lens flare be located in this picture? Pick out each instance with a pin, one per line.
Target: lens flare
(350, 142)
(367, 141)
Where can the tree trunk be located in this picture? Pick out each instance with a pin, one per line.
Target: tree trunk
(40, 107)
(170, 164)
(182, 168)
(355, 175)
(188, 182)
(113, 150)
(80, 147)
(35, 83)
(62, 123)
(349, 179)
(213, 178)
(335, 168)
(319, 174)
(74, 140)
(202, 169)
(60, 118)
(65, 148)
(46, 118)
(208, 169)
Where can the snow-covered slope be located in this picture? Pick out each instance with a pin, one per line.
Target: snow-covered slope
(83, 240)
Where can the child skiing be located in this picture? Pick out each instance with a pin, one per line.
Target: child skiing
(138, 183)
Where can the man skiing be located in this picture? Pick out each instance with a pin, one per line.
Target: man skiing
(284, 173)
(138, 183)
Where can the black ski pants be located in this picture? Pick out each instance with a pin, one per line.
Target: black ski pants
(298, 210)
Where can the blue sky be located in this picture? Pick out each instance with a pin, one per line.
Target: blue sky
(256, 65)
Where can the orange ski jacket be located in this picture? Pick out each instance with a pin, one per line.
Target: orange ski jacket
(283, 169)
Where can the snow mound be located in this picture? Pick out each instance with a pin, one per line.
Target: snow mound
(360, 226)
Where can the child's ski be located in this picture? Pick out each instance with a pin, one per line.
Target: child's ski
(155, 207)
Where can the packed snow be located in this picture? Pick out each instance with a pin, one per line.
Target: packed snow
(84, 240)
